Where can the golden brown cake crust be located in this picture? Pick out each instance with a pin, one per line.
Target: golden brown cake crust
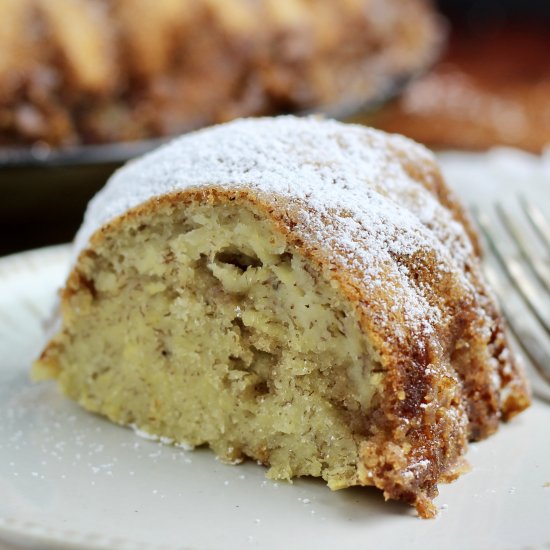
(401, 257)
(91, 71)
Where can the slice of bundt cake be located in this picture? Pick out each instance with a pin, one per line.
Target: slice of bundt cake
(302, 292)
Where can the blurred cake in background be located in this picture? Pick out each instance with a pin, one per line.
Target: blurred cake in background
(96, 71)
(491, 88)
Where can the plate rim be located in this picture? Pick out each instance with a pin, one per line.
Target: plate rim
(26, 259)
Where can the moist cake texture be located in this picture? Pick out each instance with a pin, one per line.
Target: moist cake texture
(297, 291)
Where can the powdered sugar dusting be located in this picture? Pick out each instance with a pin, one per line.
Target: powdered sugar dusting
(352, 199)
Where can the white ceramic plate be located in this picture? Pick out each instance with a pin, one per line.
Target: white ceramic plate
(71, 479)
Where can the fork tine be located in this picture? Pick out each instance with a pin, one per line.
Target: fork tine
(532, 349)
(515, 271)
(526, 247)
(537, 220)
(529, 345)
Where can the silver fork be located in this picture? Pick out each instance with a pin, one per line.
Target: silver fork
(517, 264)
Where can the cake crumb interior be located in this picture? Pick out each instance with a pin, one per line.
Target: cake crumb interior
(204, 326)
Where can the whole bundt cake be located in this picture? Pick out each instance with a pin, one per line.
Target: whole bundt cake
(92, 71)
(298, 291)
